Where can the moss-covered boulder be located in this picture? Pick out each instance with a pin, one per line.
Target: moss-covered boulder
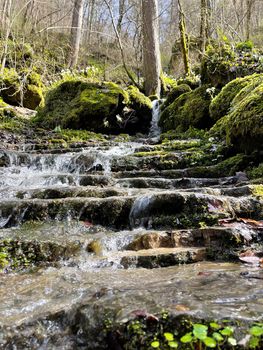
(244, 128)
(140, 107)
(223, 63)
(105, 107)
(24, 89)
(175, 93)
(221, 104)
(189, 110)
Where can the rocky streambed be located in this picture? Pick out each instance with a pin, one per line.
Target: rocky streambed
(107, 232)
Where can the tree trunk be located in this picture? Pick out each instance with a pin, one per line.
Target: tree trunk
(151, 47)
(7, 30)
(248, 18)
(121, 15)
(203, 23)
(182, 28)
(76, 31)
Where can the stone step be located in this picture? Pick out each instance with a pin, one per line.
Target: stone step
(160, 257)
(163, 183)
(30, 180)
(54, 192)
(155, 209)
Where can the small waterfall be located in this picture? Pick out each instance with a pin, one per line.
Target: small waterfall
(139, 214)
(155, 130)
(104, 158)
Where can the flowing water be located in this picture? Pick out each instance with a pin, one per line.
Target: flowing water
(78, 213)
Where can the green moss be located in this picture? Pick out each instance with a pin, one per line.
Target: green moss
(79, 104)
(168, 83)
(189, 110)
(69, 136)
(256, 172)
(138, 100)
(223, 63)
(175, 93)
(257, 190)
(221, 104)
(245, 125)
(191, 133)
(24, 89)
(219, 129)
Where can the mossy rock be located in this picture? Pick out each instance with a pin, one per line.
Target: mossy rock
(175, 93)
(77, 104)
(106, 107)
(189, 110)
(245, 125)
(167, 83)
(221, 104)
(27, 94)
(223, 63)
(142, 106)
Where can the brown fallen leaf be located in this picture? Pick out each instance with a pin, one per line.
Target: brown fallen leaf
(251, 222)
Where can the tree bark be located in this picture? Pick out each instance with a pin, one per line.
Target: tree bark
(184, 46)
(121, 15)
(248, 18)
(76, 32)
(203, 23)
(151, 47)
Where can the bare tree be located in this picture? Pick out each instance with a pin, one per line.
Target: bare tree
(76, 31)
(184, 46)
(151, 48)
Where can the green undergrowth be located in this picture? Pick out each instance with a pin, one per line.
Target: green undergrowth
(191, 133)
(166, 332)
(10, 122)
(71, 136)
(256, 172)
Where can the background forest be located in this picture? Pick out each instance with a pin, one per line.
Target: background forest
(38, 34)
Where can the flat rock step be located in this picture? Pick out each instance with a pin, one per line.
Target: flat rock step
(205, 172)
(160, 257)
(180, 183)
(155, 209)
(55, 192)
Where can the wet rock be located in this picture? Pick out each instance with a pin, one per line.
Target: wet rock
(151, 241)
(163, 257)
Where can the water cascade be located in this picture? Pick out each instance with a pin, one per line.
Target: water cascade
(155, 130)
(88, 229)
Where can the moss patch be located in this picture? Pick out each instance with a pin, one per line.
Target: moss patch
(245, 125)
(189, 110)
(175, 93)
(79, 104)
(221, 104)
(23, 89)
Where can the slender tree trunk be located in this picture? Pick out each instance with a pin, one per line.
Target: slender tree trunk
(248, 18)
(91, 9)
(203, 26)
(120, 44)
(182, 28)
(76, 32)
(7, 31)
(151, 47)
(121, 15)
